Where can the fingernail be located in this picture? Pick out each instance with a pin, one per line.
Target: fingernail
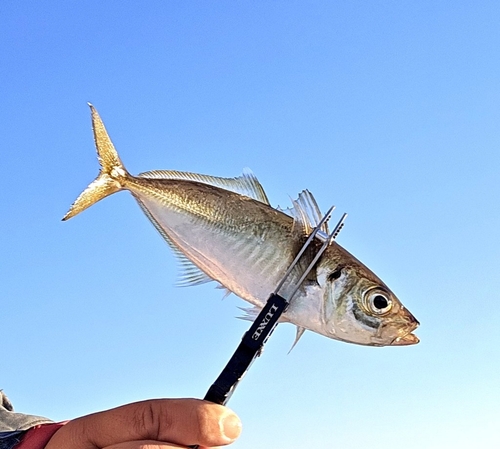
(231, 426)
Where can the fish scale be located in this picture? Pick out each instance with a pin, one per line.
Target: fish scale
(239, 245)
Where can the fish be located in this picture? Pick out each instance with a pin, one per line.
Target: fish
(225, 230)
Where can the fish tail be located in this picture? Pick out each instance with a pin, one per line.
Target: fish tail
(111, 175)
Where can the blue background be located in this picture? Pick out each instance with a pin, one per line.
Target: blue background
(388, 109)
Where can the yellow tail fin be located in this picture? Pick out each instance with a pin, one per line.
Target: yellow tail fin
(112, 170)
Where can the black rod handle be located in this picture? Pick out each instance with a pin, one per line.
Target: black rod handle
(248, 350)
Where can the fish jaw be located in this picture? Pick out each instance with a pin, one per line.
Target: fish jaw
(407, 340)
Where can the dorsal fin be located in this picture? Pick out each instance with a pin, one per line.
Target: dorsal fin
(306, 216)
(246, 184)
(305, 212)
(307, 206)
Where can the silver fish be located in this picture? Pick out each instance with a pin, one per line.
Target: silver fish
(224, 229)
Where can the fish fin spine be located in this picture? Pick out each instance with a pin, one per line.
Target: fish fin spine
(300, 332)
(112, 171)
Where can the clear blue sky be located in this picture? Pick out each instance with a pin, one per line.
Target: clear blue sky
(388, 109)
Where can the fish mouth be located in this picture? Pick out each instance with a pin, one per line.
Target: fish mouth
(406, 340)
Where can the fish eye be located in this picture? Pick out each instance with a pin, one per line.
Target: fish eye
(335, 275)
(380, 303)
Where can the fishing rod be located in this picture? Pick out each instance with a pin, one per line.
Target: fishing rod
(253, 341)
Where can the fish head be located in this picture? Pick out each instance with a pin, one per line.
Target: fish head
(357, 307)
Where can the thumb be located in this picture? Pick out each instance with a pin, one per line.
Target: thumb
(179, 421)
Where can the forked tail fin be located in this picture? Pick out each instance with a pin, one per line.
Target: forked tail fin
(112, 170)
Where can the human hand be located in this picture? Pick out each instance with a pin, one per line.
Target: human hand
(153, 424)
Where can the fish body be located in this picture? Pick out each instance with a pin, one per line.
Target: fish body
(224, 229)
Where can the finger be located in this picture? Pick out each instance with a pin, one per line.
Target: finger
(149, 444)
(179, 421)
(144, 444)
